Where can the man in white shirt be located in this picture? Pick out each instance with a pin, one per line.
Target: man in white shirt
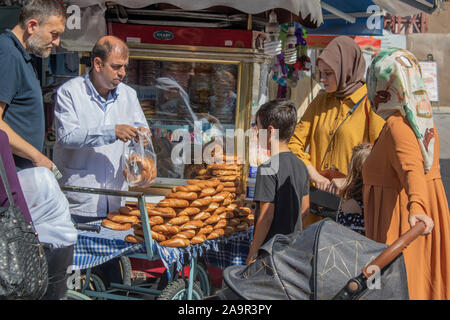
(96, 115)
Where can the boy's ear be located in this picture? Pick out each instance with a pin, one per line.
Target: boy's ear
(270, 129)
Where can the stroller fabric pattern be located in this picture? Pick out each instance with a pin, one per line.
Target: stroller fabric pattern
(314, 264)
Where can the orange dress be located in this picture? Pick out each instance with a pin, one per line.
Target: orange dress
(394, 186)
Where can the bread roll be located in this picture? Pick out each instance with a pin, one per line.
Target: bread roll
(245, 211)
(193, 224)
(126, 210)
(250, 219)
(201, 202)
(206, 229)
(154, 221)
(223, 166)
(231, 189)
(133, 239)
(187, 188)
(212, 207)
(198, 239)
(174, 203)
(203, 215)
(175, 242)
(230, 184)
(242, 226)
(157, 236)
(166, 214)
(226, 215)
(220, 224)
(229, 178)
(233, 222)
(219, 188)
(119, 218)
(186, 234)
(220, 196)
(179, 220)
(207, 192)
(183, 195)
(189, 211)
(166, 229)
(220, 231)
(115, 226)
(212, 235)
(212, 220)
(220, 210)
(228, 230)
(218, 173)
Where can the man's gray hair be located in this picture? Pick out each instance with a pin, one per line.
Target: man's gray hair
(41, 10)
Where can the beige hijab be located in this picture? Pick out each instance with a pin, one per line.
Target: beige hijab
(345, 58)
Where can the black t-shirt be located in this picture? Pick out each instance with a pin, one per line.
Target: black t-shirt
(282, 180)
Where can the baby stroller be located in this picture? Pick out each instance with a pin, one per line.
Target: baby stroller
(324, 261)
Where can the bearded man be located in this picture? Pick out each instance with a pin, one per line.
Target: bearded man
(40, 25)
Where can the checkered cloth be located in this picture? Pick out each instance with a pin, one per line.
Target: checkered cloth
(232, 251)
(93, 249)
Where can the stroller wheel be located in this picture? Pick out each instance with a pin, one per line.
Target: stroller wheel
(177, 290)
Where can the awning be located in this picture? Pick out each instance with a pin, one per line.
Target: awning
(300, 8)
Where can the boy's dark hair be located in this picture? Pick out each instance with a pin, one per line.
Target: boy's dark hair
(281, 114)
(41, 10)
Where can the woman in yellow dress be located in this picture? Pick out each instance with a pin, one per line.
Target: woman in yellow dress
(336, 120)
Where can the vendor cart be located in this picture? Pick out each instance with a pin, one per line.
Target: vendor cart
(93, 249)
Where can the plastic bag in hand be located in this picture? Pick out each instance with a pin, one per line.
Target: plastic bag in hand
(139, 159)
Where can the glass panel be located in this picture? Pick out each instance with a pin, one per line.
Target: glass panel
(184, 95)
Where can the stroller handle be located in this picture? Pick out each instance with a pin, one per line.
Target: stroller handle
(394, 249)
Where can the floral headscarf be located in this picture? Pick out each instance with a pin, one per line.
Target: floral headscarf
(394, 83)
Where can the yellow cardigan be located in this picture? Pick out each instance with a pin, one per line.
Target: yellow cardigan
(319, 123)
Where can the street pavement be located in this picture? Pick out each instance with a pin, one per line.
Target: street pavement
(442, 121)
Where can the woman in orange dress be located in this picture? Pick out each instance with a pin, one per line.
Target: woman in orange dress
(402, 181)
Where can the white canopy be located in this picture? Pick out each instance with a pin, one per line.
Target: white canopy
(297, 7)
(93, 25)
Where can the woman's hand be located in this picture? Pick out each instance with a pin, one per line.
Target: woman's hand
(336, 185)
(429, 224)
(320, 181)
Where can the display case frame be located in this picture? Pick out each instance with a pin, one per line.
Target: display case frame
(248, 62)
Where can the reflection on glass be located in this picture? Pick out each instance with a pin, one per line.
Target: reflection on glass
(197, 97)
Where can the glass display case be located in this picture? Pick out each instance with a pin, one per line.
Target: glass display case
(204, 92)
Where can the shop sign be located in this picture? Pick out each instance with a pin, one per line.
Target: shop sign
(163, 35)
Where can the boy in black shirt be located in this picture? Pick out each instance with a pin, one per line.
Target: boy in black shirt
(282, 187)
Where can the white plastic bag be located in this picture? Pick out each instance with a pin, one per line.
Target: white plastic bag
(139, 161)
(48, 206)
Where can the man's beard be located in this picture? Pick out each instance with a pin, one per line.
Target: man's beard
(35, 45)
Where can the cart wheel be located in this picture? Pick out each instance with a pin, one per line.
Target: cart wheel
(177, 290)
(74, 295)
(96, 284)
(201, 277)
(117, 270)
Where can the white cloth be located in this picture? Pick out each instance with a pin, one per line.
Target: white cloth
(86, 150)
(48, 206)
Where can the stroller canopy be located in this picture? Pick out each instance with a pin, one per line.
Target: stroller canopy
(315, 263)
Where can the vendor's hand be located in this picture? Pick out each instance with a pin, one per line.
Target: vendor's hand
(336, 185)
(429, 224)
(125, 132)
(145, 133)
